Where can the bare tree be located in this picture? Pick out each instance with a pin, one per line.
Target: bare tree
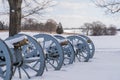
(15, 16)
(29, 24)
(27, 7)
(86, 28)
(50, 25)
(111, 6)
(98, 28)
(1, 25)
(112, 30)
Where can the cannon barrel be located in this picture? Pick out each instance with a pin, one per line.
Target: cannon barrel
(65, 42)
(20, 43)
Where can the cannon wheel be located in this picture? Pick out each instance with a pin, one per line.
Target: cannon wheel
(91, 45)
(69, 53)
(33, 60)
(5, 62)
(52, 50)
(82, 50)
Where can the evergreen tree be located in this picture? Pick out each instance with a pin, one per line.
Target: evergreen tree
(59, 29)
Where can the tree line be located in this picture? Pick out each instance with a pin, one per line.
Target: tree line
(49, 26)
(31, 24)
(97, 28)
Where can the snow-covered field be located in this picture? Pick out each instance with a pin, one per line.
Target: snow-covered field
(104, 66)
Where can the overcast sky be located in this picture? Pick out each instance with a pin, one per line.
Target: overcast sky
(74, 13)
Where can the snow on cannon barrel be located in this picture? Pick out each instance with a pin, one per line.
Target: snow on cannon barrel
(69, 53)
(53, 51)
(17, 42)
(27, 56)
(5, 62)
(82, 50)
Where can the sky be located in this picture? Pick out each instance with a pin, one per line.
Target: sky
(74, 13)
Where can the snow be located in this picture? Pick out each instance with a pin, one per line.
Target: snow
(104, 66)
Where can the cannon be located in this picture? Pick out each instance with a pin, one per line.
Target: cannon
(82, 50)
(53, 51)
(69, 53)
(25, 56)
(22, 56)
(90, 43)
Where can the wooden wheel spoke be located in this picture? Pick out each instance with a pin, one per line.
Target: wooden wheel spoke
(19, 71)
(51, 44)
(25, 72)
(36, 63)
(31, 68)
(14, 70)
(52, 63)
